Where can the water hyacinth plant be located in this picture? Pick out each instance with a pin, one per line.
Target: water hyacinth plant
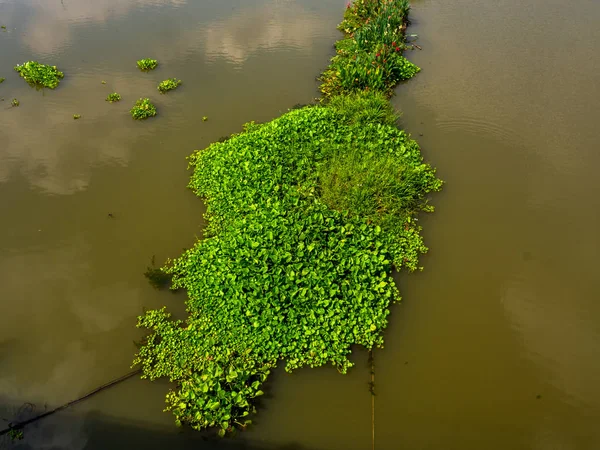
(307, 217)
(147, 64)
(298, 259)
(168, 85)
(143, 109)
(14, 102)
(2, 80)
(370, 55)
(114, 97)
(40, 75)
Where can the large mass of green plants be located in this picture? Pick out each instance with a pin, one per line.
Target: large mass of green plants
(307, 217)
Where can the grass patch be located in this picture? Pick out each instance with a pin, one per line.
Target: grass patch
(168, 85)
(114, 97)
(143, 109)
(40, 75)
(147, 64)
(370, 55)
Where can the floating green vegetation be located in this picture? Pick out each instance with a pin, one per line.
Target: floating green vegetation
(143, 109)
(103, 82)
(297, 265)
(40, 75)
(2, 80)
(3, 27)
(76, 116)
(307, 217)
(147, 64)
(114, 97)
(204, 118)
(370, 55)
(168, 85)
(14, 102)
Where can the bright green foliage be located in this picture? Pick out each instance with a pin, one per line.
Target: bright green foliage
(168, 85)
(114, 97)
(370, 56)
(147, 64)
(14, 102)
(2, 79)
(76, 116)
(143, 109)
(308, 215)
(291, 267)
(40, 75)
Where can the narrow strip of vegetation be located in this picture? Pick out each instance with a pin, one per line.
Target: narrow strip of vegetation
(370, 55)
(143, 109)
(40, 75)
(168, 85)
(147, 64)
(307, 217)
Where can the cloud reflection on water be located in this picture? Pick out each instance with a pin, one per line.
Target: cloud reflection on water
(56, 154)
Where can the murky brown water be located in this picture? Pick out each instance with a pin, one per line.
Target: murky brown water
(497, 345)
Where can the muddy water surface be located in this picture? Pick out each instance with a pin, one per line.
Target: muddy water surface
(497, 344)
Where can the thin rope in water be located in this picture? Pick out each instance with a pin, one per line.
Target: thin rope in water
(20, 425)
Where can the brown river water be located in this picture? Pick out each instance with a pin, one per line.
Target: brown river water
(497, 343)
